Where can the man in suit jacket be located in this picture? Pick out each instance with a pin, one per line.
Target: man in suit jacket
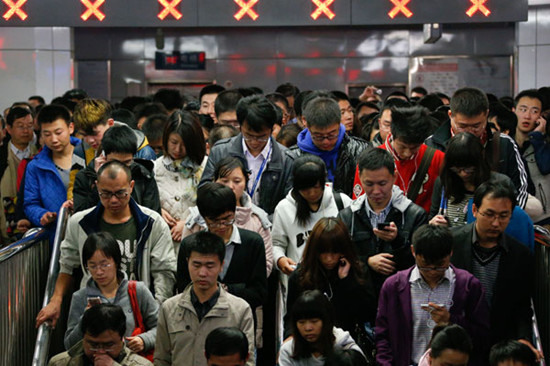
(502, 264)
(243, 273)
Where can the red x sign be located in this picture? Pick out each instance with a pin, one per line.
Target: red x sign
(15, 8)
(322, 8)
(92, 9)
(246, 8)
(478, 5)
(400, 7)
(170, 9)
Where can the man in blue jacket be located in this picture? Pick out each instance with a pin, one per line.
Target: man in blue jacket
(50, 174)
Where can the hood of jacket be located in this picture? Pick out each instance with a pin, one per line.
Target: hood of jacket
(243, 213)
(398, 201)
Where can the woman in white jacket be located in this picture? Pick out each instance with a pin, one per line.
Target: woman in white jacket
(179, 171)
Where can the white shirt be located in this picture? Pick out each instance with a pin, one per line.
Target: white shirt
(235, 239)
(254, 165)
(21, 154)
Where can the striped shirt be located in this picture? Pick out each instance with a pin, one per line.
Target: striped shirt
(421, 293)
(485, 266)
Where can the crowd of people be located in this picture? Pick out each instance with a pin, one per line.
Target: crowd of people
(290, 228)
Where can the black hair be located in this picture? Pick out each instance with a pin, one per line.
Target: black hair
(210, 89)
(131, 102)
(257, 112)
(419, 90)
(506, 119)
(67, 103)
(346, 357)
(187, 126)
(255, 90)
(314, 95)
(312, 304)
(207, 123)
(394, 103)
(307, 171)
(16, 113)
(496, 188)
(299, 102)
(278, 97)
(149, 109)
(53, 112)
(37, 98)
(78, 94)
(337, 95)
(369, 123)
(104, 242)
(397, 95)
(288, 135)
(214, 199)
(125, 116)
(102, 317)
(430, 101)
(442, 96)
(220, 132)
(154, 125)
(512, 350)
(508, 102)
(226, 341)
(225, 166)
(450, 337)
(204, 242)
(432, 242)
(531, 94)
(545, 94)
(119, 139)
(469, 102)
(374, 159)
(288, 90)
(112, 168)
(411, 125)
(170, 98)
(322, 112)
(227, 101)
(464, 150)
(368, 105)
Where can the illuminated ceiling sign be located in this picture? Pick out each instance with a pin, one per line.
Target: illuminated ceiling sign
(92, 9)
(256, 13)
(400, 8)
(169, 8)
(246, 9)
(322, 8)
(15, 9)
(478, 5)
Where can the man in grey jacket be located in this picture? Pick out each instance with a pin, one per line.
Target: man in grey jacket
(145, 240)
(185, 320)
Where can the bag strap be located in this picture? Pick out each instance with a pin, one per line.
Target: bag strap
(338, 200)
(421, 173)
(132, 292)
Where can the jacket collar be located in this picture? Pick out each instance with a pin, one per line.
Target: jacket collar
(219, 310)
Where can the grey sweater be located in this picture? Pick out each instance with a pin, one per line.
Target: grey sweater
(147, 304)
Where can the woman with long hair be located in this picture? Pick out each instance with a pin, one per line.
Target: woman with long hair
(314, 336)
(179, 170)
(108, 284)
(330, 264)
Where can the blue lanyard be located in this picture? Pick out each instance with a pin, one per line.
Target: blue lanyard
(443, 203)
(259, 175)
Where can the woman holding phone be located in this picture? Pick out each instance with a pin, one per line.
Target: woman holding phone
(108, 284)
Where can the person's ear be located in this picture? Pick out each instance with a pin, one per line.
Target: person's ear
(412, 251)
(132, 183)
(450, 113)
(71, 128)
(474, 210)
(110, 122)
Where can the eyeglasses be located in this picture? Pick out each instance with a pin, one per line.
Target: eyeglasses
(247, 137)
(437, 269)
(220, 223)
(103, 267)
(105, 347)
(467, 170)
(108, 195)
(492, 216)
(319, 138)
(23, 127)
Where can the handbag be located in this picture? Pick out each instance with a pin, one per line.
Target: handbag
(138, 319)
(364, 335)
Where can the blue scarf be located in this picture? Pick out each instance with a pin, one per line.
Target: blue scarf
(305, 143)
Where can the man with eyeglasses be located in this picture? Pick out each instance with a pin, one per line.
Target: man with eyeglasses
(244, 267)
(142, 234)
(325, 137)
(103, 327)
(502, 264)
(270, 169)
(432, 292)
(469, 113)
(118, 143)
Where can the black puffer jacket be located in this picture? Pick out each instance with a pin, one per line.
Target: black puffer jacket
(346, 162)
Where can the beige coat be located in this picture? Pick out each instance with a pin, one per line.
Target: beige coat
(75, 357)
(181, 337)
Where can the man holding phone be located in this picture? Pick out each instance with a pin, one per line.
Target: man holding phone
(436, 293)
(382, 221)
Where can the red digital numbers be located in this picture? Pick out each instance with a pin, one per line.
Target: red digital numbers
(92, 9)
(169, 9)
(478, 6)
(400, 7)
(322, 8)
(246, 9)
(15, 9)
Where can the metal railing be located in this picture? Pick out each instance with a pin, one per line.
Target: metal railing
(23, 267)
(541, 298)
(42, 345)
